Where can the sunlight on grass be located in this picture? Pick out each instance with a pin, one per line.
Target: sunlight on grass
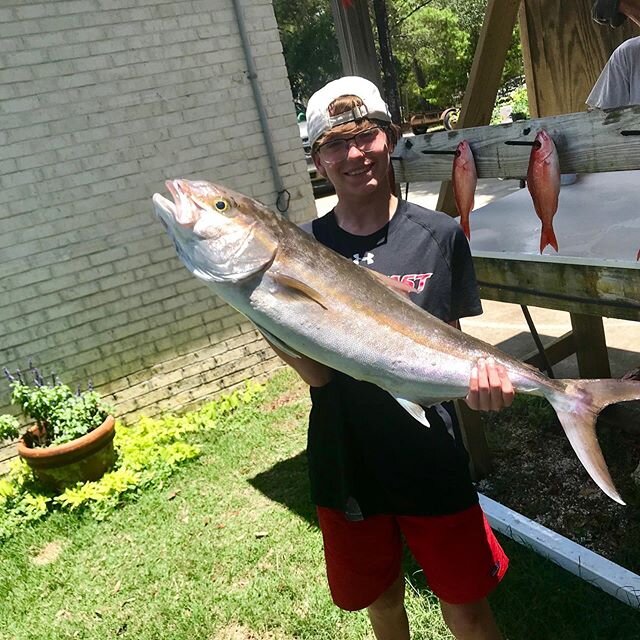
(228, 549)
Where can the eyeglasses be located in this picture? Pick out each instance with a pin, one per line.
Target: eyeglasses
(337, 150)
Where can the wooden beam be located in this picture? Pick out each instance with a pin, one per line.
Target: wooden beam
(488, 62)
(355, 40)
(599, 290)
(564, 51)
(475, 441)
(591, 346)
(587, 142)
(556, 351)
(484, 78)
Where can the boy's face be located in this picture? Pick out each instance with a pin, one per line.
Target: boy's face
(361, 171)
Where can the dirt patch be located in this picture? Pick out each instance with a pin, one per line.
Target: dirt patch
(49, 553)
(240, 632)
(296, 391)
(537, 474)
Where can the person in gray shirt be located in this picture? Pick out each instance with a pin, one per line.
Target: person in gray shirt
(619, 82)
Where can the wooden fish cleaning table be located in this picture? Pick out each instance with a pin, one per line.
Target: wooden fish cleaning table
(594, 274)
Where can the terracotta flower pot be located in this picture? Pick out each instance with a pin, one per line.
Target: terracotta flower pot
(63, 465)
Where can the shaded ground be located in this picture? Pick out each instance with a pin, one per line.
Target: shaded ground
(537, 474)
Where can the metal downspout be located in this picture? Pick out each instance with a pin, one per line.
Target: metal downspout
(282, 201)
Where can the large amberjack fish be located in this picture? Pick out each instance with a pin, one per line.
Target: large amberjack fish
(464, 178)
(308, 300)
(543, 182)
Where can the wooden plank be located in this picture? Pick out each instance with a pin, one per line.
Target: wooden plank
(355, 40)
(591, 346)
(475, 441)
(484, 78)
(556, 351)
(564, 51)
(585, 289)
(488, 61)
(587, 142)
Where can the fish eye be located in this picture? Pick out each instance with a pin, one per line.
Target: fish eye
(221, 204)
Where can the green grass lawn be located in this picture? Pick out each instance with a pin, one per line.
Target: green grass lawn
(229, 549)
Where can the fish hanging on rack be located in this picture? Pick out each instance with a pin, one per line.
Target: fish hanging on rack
(464, 178)
(543, 182)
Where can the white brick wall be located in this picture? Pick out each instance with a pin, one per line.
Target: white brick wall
(100, 102)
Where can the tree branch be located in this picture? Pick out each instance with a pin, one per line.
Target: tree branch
(420, 6)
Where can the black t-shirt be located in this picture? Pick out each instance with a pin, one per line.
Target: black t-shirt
(366, 454)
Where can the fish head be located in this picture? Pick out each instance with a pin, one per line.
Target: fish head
(219, 235)
(463, 150)
(463, 158)
(543, 145)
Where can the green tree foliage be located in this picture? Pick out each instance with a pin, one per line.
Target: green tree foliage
(434, 44)
(309, 43)
(432, 54)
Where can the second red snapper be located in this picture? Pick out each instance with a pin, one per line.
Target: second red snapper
(464, 178)
(543, 182)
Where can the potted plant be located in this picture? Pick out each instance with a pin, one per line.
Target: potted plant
(69, 437)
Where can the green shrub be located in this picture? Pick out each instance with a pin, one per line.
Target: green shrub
(514, 96)
(149, 451)
(60, 414)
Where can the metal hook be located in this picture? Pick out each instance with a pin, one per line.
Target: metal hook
(521, 143)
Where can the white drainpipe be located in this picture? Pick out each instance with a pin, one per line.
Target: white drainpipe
(283, 195)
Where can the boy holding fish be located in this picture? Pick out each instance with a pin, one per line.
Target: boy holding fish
(377, 474)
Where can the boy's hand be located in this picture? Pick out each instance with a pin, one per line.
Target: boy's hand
(489, 387)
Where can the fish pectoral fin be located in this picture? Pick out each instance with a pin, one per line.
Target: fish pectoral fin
(276, 342)
(395, 285)
(414, 410)
(299, 288)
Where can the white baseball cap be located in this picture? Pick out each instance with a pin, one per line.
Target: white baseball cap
(320, 121)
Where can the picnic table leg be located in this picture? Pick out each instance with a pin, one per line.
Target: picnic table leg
(475, 440)
(591, 346)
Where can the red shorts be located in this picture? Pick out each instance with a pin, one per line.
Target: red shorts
(461, 558)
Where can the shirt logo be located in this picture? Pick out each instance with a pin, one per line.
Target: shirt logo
(415, 280)
(367, 258)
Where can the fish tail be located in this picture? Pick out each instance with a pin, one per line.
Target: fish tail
(464, 223)
(578, 408)
(548, 237)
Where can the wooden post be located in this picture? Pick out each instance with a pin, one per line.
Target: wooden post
(564, 51)
(484, 79)
(475, 440)
(591, 346)
(355, 40)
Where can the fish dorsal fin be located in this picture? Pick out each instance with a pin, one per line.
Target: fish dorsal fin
(276, 342)
(414, 410)
(299, 287)
(396, 285)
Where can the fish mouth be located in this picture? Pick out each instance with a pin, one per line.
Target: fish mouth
(186, 211)
(165, 210)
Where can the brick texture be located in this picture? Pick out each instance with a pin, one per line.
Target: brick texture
(100, 102)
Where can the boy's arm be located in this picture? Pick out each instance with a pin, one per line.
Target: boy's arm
(312, 372)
